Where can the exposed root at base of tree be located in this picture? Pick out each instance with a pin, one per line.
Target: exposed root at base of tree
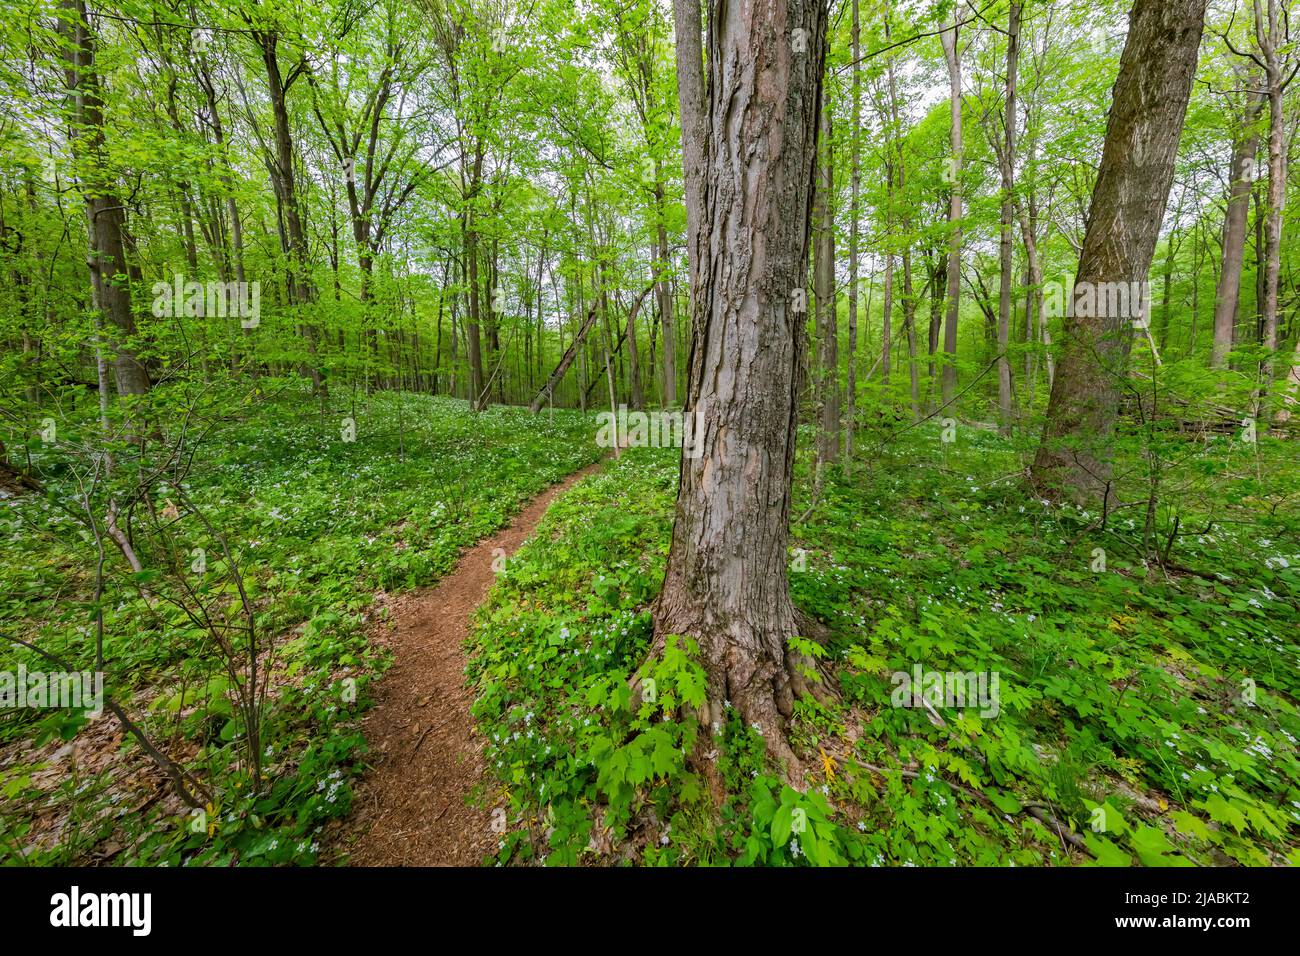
(762, 689)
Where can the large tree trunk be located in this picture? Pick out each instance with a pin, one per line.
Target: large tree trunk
(695, 131)
(726, 582)
(1149, 104)
(952, 54)
(105, 216)
(1235, 222)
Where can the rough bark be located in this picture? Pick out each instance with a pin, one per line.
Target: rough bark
(695, 127)
(726, 582)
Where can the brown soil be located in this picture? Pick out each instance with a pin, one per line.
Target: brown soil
(411, 809)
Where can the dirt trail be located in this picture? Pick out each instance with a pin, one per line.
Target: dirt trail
(410, 810)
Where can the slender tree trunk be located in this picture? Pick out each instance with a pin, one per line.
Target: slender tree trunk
(1270, 36)
(887, 325)
(952, 54)
(474, 345)
(1006, 239)
(1166, 281)
(1235, 223)
(828, 445)
(634, 363)
(909, 326)
(855, 188)
(665, 297)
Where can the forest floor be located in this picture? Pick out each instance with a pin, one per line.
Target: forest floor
(331, 535)
(423, 706)
(417, 806)
(1141, 707)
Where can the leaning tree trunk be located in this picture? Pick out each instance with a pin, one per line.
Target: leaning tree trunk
(1149, 104)
(726, 582)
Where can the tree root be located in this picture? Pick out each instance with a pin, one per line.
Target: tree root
(762, 691)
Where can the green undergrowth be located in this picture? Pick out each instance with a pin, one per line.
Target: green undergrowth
(1146, 708)
(318, 526)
